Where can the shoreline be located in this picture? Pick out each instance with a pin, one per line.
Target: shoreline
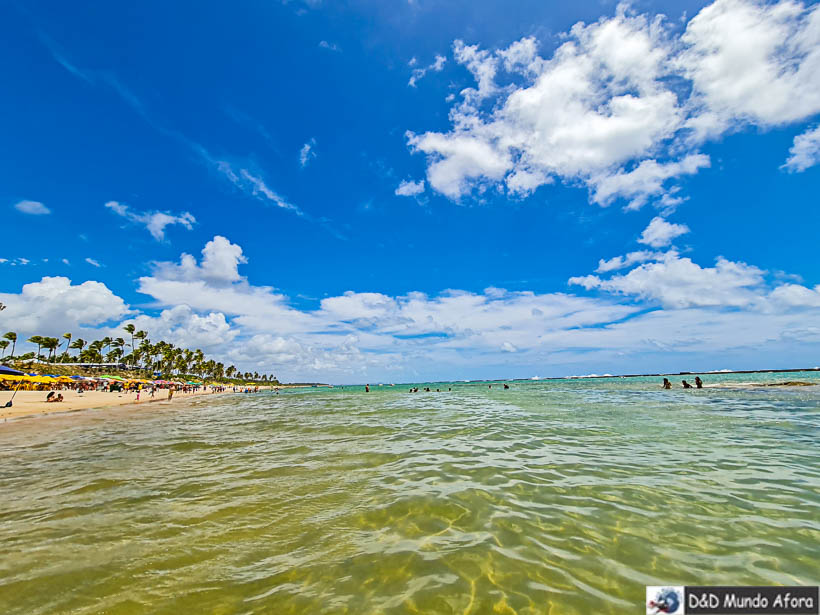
(31, 404)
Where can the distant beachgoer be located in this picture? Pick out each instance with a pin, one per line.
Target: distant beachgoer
(698, 382)
(59, 397)
(506, 386)
(667, 384)
(438, 390)
(686, 385)
(449, 389)
(170, 393)
(367, 388)
(489, 386)
(52, 396)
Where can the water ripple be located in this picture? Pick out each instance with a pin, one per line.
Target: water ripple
(563, 497)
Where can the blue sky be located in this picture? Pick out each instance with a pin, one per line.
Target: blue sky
(420, 189)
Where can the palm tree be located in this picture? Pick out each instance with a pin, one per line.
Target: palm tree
(36, 339)
(95, 351)
(130, 329)
(12, 337)
(142, 336)
(67, 337)
(3, 345)
(78, 344)
(51, 344)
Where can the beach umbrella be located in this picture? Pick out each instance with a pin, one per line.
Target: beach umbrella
(11, 377)
(9, 371)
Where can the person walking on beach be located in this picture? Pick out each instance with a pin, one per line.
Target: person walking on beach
(698, 382)
(667, 384)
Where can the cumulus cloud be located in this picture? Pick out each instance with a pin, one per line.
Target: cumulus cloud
(795, 295)
(623, 104)
(644, 181)
(418, 73)
(54, 305)
(155, 222)
(34, 208)
(183, 327)
(677, 282)
(660, 233)
(664, 310)
(410, 188)
(751, 62)
(805, 152)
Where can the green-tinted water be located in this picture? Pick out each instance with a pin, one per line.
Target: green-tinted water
(552, 497)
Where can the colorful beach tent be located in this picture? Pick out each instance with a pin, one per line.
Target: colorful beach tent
(9, 371)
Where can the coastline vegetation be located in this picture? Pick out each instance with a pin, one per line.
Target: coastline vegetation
(133, 354)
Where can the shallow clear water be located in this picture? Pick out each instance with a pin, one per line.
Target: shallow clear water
(552, 497)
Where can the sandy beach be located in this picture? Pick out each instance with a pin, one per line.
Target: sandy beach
(32, 403)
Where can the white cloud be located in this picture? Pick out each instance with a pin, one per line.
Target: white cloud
(644, 181)
(677, 282)
(220, 264)
(410, 188)
(805, 152)
(253, 185)
(752, 62)
(329, 46)
(794, 295)
(154, 221)
(307, 153)
(54, 305)
(676, 314)
(621, 262)
(184, 328)
(660, 233)
(418, 73)
(623, 104)
(65, 261)
(34, 208)
(93, 262)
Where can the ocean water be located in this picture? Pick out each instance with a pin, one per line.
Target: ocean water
(562, 497)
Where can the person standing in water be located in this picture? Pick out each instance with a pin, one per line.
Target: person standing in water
(686, 385)
(367, 388)
(667, 384)
(698, 382)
